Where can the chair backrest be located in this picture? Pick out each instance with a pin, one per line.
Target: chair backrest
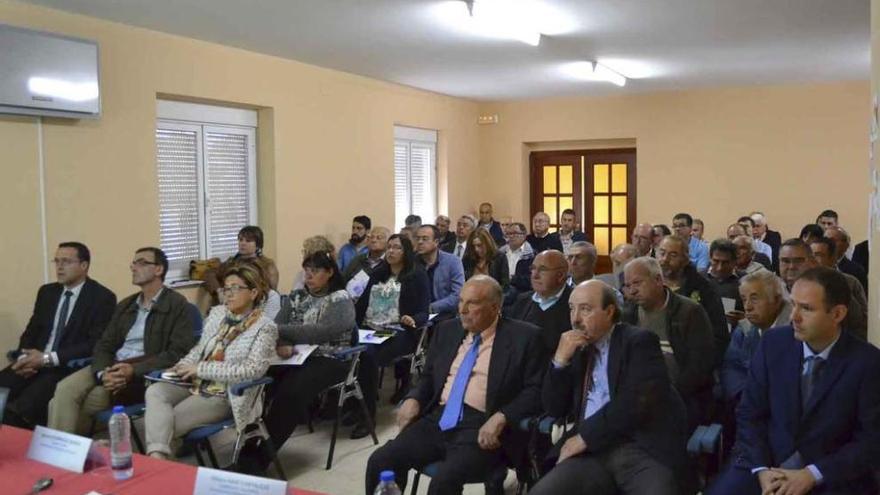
(195, 317)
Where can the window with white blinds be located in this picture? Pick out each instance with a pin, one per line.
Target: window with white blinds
(207, 182)
(415, 174)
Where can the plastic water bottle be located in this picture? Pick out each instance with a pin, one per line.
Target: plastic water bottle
(120, 444)
(387, 486)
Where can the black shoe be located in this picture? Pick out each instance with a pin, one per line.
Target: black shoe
(351, 418)
(360, 431)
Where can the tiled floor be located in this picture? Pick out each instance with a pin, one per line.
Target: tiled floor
(305, 454)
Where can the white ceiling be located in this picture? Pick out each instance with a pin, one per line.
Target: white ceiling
(674, 44)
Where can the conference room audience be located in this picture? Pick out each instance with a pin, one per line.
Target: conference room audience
(680, 276)
(760, 246)
(237, 342)
(609, 380)
(445, 235)
(620, 256)
(684, 329)
(319, 314)
(149, 330)
(445, 273)
(250, 247)
(68, 318)
(722, 272)
(519, 255)
(494, 227)
(698, 252)
(358, 272)
(567, 234)
(581, 259)
(643, 239)
(857, 313)
(807, 420)
(547, 304)
(540, 238)
(398, 295)
(310, 246)
(357, 242)
(763, 233)
(463, 228)
(483, 376)
(482, 258)
(827, 219)
(746, 257)
(842, 242)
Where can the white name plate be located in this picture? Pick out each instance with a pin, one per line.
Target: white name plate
(60, 449)
(216, 482)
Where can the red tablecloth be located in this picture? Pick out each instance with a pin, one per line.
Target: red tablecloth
(151, 476)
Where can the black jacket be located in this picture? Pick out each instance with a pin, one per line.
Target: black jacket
(851, 267)
(700, 289)
(541, 244)
(644, 408)
(774, 240)
(498, 269)
(552, 322)
(88, 318)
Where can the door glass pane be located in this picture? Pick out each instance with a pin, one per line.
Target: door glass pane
(584, 201)
(600, 178)
(618, 178)
(618, 209)
(600, 235)
(600, 210)
(566, 181)
(550, 209)
(565, 202)
(549, 179)
(618, 236)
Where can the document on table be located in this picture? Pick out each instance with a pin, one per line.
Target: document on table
(370, 337)
(301, 352)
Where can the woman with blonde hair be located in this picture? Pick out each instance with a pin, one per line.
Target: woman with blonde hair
(310, 246)
(237, 342)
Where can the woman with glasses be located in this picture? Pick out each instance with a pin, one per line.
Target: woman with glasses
(397, 295)
(310, 246)
(322, 314)
(481, 257)
(236, 345)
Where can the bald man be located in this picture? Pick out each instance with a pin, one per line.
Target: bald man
(483, 373)
(546, 305)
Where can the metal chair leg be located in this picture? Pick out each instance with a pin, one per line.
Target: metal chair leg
(368, 419)
(211, 455)
(275, 461)
(333, 441)
(415, 485)
(198, 451)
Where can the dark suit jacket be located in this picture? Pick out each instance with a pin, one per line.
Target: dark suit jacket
(88, 317)
(515, 372)
(644, 408)
(838, 431)
(576, 236)
(690, 335)
(700, 289)
(496, 233)
(540, 244)
(498, 269)
(848, 266)
(774, 240)
(861, 255)
(552, 322)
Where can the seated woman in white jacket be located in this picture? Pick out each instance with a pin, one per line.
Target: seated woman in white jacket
(236, 345)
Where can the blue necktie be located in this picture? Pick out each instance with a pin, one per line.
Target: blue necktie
(455, 404)
(62, 320)
(808, 380)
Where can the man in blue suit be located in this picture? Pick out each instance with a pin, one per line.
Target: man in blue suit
(809, 417)
(444, 272)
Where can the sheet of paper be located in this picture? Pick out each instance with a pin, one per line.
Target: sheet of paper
(729, 304)
(60, 449)
(432, 316)
(369, 337)
(300, 353)
(216, 482)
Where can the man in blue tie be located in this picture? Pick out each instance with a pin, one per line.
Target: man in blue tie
(809, 417)
(69, 317)
(483, 373)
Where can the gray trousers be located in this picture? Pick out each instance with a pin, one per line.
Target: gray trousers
(626, 469)
(173, 411)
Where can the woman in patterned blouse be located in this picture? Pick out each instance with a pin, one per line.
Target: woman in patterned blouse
(236, 345)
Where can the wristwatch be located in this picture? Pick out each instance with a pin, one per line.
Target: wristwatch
(47, 359)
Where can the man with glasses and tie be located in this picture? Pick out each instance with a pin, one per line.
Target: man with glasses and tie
(627, 425)
(69, 315)
(149, 330)
(809, 417)
(483, 373)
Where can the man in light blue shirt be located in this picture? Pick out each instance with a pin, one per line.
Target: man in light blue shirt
(682, 226)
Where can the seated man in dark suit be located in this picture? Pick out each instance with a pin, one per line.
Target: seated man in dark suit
(568, 233)
(683, 328)
(69, 316)
(482, 373)
(842, 241)
(540, 239)
(809, 418)
(547, 305)
(630, 425)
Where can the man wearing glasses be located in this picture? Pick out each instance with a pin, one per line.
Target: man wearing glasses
(682, 226)
(69, 317)
(149, 330)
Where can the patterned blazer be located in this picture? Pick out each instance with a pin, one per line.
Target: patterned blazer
(247, 358)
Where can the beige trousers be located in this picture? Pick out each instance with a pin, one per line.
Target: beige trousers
(173, 411)
(77, 399)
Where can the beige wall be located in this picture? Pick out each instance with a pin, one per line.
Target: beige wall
(326, 151)
(873, 287)
(790, 151)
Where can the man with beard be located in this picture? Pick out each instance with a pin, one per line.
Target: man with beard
(357, 243)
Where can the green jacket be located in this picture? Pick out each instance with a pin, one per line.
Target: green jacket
(168, 333)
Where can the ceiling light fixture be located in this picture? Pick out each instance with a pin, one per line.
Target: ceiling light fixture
(592, 71)
(505, 19)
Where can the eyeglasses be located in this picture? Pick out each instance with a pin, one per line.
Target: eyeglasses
(233, 290)
(63, 261)
(140, 263)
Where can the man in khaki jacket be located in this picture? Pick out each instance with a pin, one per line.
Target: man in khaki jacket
(149, 330)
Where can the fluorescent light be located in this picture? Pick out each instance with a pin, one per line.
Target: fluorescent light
(65, 90)
(521, 20)
(590, 71)
(508, 19)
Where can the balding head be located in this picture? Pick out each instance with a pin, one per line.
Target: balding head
(621, 255)
(479, 303)
(840, 238)
(594, 309)
(548, 272)
(643, 282)
(643, 238)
